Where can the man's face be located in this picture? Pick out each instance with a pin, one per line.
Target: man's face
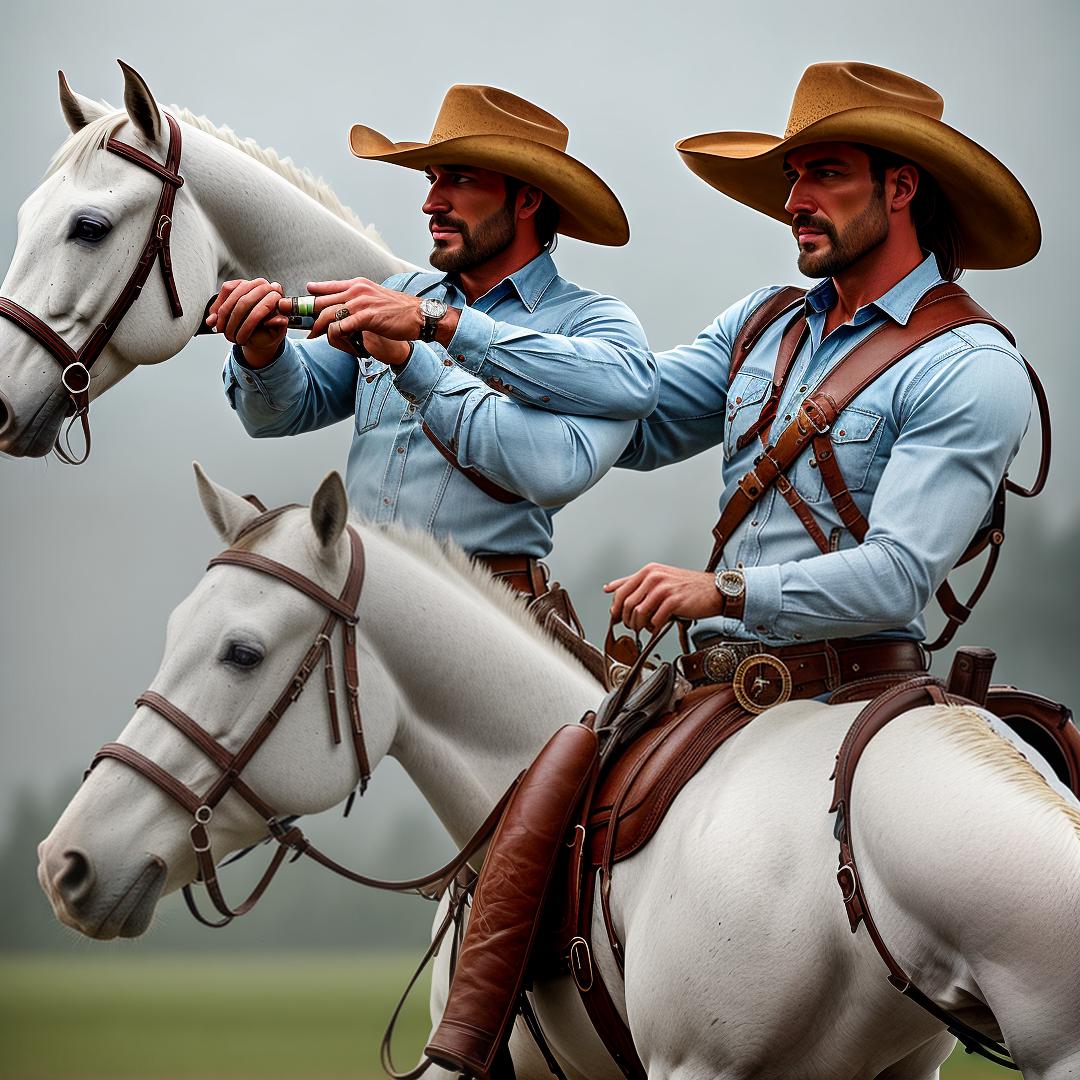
(472, 217)
(837, 210)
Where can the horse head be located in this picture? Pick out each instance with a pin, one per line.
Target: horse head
(80, 236)
(233, 647)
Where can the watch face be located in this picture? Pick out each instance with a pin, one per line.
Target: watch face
(730, 583)
(432, 309)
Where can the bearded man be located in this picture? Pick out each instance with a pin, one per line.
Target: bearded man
(496, 391)
(829, 557)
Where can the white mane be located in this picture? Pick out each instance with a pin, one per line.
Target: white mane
(971, 732)
(449, 558)
(78, 151)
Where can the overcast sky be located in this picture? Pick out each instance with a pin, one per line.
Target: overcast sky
(95, 558)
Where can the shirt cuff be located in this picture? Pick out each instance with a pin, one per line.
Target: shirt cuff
(762, 608)
(471, 343)
(280, 381)
(424, 368)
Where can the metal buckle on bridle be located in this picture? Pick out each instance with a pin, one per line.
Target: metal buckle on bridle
(164, 227)
(79, 366)
(580, 961)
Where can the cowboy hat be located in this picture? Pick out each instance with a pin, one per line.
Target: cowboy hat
(860, 103)
(493, 129)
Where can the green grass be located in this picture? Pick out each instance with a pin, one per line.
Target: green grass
(239, 1017)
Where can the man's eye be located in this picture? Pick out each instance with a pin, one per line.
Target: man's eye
(90, 229)
(242, 656)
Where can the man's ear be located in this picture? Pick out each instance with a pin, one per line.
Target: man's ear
(905, 185)
(528, 200)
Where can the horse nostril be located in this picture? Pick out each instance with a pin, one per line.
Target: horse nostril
(76, 878)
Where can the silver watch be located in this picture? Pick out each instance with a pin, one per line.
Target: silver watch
(432, 311)
(730, 583)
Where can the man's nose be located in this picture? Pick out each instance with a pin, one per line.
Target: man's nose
(799, 200)
(436, 202)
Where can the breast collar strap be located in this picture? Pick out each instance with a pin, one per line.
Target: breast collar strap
(75, 365)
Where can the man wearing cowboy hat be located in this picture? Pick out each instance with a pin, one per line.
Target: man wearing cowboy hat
(886, 203)
(496, 391)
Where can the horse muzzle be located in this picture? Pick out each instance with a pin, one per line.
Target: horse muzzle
(121, 905)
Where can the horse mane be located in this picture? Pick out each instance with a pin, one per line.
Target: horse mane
(78, 151)
(449, 559)
(969, 730)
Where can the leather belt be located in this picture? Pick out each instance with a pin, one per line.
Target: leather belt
(522, 573)
(763, 676)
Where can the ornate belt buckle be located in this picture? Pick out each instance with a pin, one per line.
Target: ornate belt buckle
(761, 682)
(720, 661)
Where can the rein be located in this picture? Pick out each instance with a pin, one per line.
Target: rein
(75, 365)
(341, 609)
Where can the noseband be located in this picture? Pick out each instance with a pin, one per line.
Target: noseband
(341, 609)
(75, 366)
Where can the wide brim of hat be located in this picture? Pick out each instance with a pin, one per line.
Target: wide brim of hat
(997, 221)
(588, 208)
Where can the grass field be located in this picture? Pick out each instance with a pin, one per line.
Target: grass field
(242, 1017)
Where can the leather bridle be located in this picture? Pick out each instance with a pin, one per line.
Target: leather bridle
(340, 609)
(75, 365)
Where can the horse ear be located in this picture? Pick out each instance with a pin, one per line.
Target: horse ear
(140, 104)
(227, 511)
(330, 510)
(78, 110)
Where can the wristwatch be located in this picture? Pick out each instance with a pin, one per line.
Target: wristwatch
(732, 587)
(432, 311)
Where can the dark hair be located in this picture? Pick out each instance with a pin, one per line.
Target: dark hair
(546, 217)
(935, 223)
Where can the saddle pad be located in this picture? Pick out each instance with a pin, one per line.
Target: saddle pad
(642, 783)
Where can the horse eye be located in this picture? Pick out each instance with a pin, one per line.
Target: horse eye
(90, 229)
(242, 656)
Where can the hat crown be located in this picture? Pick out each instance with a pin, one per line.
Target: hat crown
(826, 89)
(487, 110)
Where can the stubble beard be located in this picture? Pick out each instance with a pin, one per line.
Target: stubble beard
(484, 241)
(865, 232)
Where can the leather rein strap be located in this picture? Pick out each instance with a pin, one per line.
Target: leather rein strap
(915, 693)
(340, 609)
(75, 366)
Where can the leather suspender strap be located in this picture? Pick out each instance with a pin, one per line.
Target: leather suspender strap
(763, 316)
(943, 308)
(488, 487)
(795, 334)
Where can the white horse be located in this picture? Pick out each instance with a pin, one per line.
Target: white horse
(739, 960)
(242, 212)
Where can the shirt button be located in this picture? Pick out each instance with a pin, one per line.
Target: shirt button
(461, 356)
(797, 636)
(803, 388)
(401, 449)
(448, 362)
(841, 433)
(249, 380)
(386, 502)
(788, 416)
(545, 398)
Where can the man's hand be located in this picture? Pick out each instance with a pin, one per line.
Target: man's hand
(389, 351)
(247, 314)
(647, 599)
(384, 313)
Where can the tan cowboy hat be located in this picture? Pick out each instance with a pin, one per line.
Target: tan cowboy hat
(850, 102)
(493, 129)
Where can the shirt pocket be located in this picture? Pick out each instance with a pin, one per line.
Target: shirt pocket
(372, 390)
(746, 396)
(854, 437)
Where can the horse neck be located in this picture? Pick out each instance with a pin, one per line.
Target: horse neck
(265, 226)
(479, 693)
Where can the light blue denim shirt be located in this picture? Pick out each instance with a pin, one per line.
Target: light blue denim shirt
(922, 450)
(538, 390)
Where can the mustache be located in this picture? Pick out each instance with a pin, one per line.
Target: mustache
(812, 221)
(445, 221)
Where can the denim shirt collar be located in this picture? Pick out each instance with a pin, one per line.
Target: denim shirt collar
(898, 303)
(530, 282)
